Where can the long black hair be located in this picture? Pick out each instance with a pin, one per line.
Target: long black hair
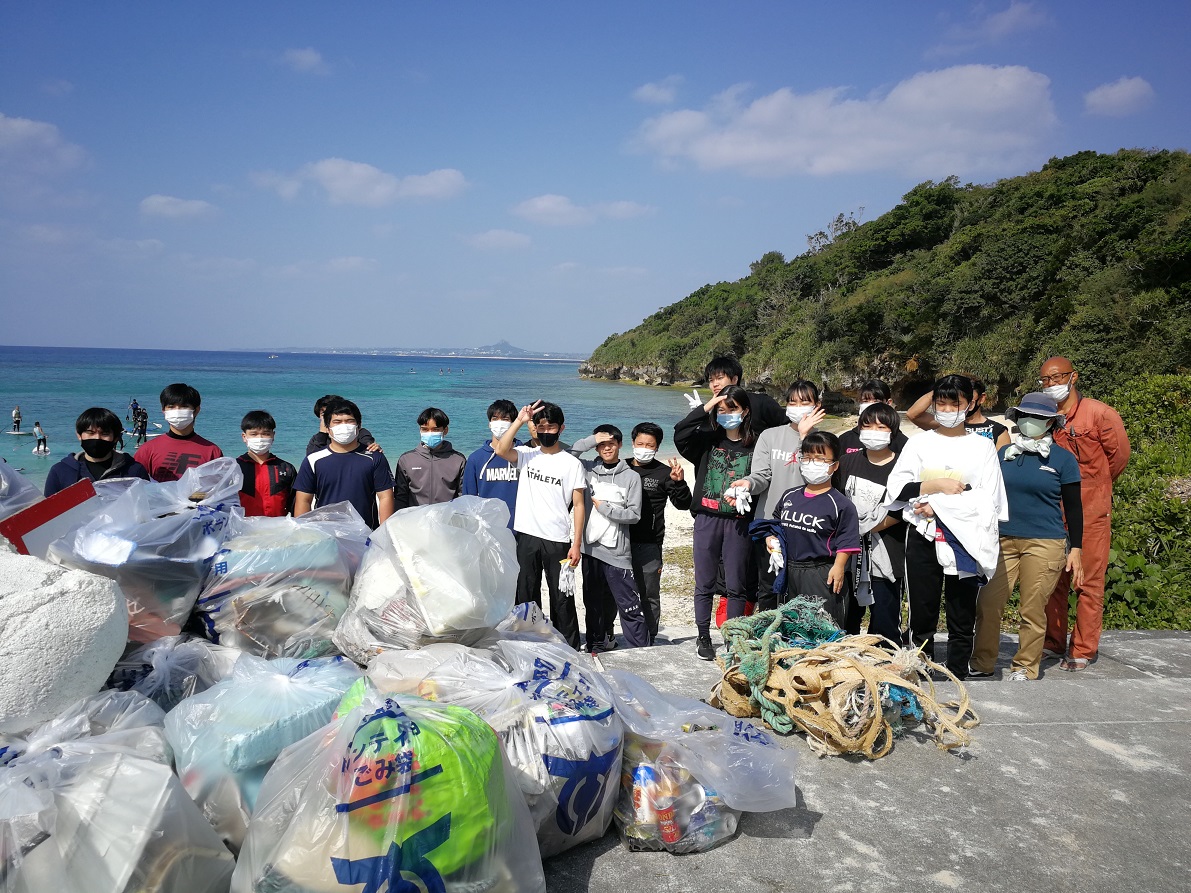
(738, 396)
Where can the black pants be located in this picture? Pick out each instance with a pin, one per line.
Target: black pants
(928, 586)
(809, 579)
(764, 596)
(647, 572)
(885, 613)
(536, 556)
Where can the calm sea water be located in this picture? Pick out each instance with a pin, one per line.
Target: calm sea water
(53, 385)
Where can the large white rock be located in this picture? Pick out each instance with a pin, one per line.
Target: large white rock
(61, 632)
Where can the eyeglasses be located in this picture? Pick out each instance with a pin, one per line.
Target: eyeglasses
(1057, 378)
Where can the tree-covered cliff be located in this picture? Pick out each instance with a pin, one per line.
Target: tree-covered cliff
(1089, 257)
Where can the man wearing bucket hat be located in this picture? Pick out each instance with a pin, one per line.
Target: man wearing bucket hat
(1094, 433)
(1042, 484)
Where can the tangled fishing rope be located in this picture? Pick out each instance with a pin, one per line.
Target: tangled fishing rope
(795, 669)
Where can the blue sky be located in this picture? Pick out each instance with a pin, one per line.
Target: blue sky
(264, 175)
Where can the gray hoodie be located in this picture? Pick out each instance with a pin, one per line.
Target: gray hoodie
(425, 476)
(625, 516)
(775, 468)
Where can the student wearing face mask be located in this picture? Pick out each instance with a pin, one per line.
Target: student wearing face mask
(165, 458)
(1094, 433)
(268, 487)
(976, 422)
(321, 439)
(817, 528)
(432, 472)
(1042, 484)
(661, 482)
(345, 471)
(487, 474)
(872, 391)
(718, 440)
(98, 460)
(963, 469)
(880, 567)
(774, 470)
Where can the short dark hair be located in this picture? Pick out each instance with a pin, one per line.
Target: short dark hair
(654, 431)
(818, 442)
(876, 389)
(978, 387)
(258, 418)
(610, 429)
(549, 412)
(807, 390)
(881, 413)
(726, 365)
(954, 387)
(98, 417)
(179, 394)
(321, 403)
(504, 408)
(340, 407)
(431, 412)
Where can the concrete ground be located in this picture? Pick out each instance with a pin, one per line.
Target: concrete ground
(1077, 782)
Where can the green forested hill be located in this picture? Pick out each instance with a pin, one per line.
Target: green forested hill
(1089, 257)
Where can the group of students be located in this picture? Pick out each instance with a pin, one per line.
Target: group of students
(960, 514)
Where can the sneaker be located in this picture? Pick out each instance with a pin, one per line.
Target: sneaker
(976, 674)
(704, 648)
(1018, 676)
(609, 644)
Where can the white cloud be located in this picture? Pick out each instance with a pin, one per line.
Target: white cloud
(58, 87)
(1126, 96)
(991, 28)
(960, 120)
(356, 183)
(306, 60)
(500, 240)
(559, 210)
(661, 92)
(36, 147)
(175, 208)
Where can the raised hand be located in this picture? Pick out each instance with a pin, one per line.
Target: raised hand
(676, 470)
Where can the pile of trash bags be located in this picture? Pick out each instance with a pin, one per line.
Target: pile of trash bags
(305, 706)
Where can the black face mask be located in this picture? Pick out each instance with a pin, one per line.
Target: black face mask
(97, 448)
(547, 440)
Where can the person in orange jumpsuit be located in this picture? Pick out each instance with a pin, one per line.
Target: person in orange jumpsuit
(1094, 432)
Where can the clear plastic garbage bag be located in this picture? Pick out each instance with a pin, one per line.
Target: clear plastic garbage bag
(125, 722)
(554, 715)
(524, 623)
(157, 541)
(690, 770)
(226, 738)
(435, 573)
(392, 795)
(104, 822)
(172, 669)
(17, 492)
(278, 586)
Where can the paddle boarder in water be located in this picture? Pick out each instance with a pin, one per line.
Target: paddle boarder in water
(40, 446)
(16, 419)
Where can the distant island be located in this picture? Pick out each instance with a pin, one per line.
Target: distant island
(501, 350)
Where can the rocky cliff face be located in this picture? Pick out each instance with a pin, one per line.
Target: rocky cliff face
(648, 374)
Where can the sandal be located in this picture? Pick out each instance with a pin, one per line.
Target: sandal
(1074, 664)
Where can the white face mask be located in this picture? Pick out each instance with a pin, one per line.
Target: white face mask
(499, 427)
(863, 407)
(1057, 392)
(259, 445)
(875, 440)
(814, 471)
(179, 418)
(1031, 427)
(951, 419)
(797, 413)
(643, 455)
(343, 434)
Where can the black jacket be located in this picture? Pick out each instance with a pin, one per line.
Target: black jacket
(718, 461)
(74, 468)
(656, 488)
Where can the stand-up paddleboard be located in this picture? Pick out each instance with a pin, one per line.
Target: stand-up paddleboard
(20, 433)
(41, 451)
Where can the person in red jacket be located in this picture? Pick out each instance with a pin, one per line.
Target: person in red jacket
(268, 487)
(167, 457)
(1094, 432)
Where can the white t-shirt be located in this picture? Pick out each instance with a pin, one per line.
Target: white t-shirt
(546, 485)
(970, 458)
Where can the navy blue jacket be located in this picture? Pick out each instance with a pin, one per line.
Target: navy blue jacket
(73, 469)
(488, 475)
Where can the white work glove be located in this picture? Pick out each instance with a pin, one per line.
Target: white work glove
(776, 563)
(693, 399)
(566, 579)
(743, 497)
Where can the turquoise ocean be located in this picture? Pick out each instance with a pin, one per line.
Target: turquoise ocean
(53, 385)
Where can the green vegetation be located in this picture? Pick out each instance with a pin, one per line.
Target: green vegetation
(1089, 257)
